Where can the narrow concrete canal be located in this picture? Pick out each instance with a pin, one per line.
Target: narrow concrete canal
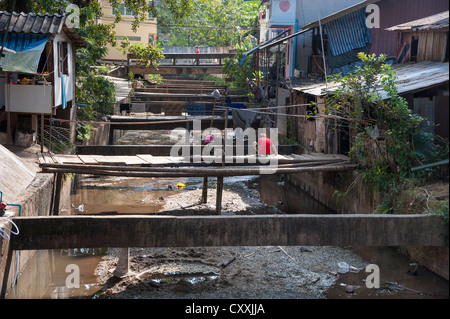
(217, 272)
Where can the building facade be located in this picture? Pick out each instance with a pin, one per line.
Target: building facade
(146, 33)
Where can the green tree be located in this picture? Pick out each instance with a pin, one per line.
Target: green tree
(95, 93)
(239, 69)
(388, 136)
(211, 23)
(147, 54)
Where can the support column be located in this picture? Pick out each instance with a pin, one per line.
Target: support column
(123, 266)
(205, 190)
(220, 178)
(219, 195)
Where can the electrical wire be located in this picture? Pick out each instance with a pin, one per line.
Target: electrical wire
(5, 232)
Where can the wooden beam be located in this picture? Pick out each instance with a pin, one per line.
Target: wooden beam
(204, 172)
(59, 232)
(155, 150)
(176, 69)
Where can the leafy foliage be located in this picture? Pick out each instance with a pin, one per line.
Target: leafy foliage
(237, 71)
(208, 23)
(388, 136)
(95, 93)
(147, 54)
(96, 96)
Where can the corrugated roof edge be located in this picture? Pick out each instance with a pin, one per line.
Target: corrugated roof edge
(51, 24)
(409, 78)
(433, 22)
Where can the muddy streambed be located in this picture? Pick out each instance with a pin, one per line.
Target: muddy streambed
(298, 272)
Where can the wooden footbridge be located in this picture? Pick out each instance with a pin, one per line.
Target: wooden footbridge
(202, 63)
(146, 165)
(62, 232)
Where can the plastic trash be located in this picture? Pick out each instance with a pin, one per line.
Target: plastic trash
(216, 94)
(354, 269)
(343, 267)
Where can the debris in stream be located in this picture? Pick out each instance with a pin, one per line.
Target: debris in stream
(400, 287)
(414, 270)
(174, 272)
(244, 272)
(229, 261)
(349, 289)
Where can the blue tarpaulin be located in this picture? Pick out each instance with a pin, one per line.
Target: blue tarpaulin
(28, 49)
(348, 32)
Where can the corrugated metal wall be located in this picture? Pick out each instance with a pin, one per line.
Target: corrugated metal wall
(393, 12)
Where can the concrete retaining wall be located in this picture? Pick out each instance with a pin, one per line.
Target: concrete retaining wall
(360, 197)
(36, 199)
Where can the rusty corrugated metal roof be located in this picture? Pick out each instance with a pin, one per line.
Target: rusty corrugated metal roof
(36, 23)
(409, 78)
(395, 12)
(434, 22)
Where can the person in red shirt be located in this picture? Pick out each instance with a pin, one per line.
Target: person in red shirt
(265, 146)
(197, 50)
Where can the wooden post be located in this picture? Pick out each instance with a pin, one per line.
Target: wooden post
(8, 128)
(220, 178)
(8, 113)
(205, 190)
(8, 262)
(50, 133)
(219, 195)
(42, 133)
(111, 135)
(204, 199)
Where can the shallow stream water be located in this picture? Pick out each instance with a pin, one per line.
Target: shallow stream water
(47, 273)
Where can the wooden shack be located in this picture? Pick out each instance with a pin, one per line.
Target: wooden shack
(424, 39)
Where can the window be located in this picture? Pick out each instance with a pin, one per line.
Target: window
(152, 38)
(130, 38)
(311, 108)
(150, 12)
(126, 12)
(63, 59)
(414, 48)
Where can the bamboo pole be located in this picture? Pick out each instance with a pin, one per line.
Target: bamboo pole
(42, 133)
(209, 172)
(182, 169)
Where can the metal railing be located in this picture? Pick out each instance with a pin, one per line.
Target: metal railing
(56, 137)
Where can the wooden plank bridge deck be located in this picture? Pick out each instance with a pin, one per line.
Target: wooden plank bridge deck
(146, 165)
